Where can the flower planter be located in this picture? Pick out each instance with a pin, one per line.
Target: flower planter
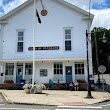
(36, 89)
(27, 91)
(39, 91)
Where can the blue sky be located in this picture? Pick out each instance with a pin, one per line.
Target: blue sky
(100, 8)
(5, 2)
(100, 5)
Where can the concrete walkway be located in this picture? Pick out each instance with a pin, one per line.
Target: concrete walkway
(54, 97)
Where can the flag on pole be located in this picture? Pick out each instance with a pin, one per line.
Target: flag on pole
(37, 14)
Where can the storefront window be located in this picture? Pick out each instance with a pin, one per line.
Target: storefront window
(58, 72)
(9, 68)
(79, 68)
(28, 69)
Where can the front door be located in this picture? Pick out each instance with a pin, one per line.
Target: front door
(19, 74)
(68, 70)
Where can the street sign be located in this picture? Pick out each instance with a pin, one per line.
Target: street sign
(102, 69)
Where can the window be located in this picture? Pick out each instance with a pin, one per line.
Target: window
(28, 69)
(79, 68)
(58, 72)
(58, 68)
(67, 39)
(20, 41)
(9, 68)
(43, 72)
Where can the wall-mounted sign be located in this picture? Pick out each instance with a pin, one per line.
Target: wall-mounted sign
(45, 48)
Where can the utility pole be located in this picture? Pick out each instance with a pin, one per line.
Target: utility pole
(97, 58)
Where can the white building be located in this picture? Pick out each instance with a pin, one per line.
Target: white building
(60, 43)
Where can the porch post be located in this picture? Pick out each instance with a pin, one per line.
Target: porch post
(23, 70)
(14, 75)
(85, 73)
(3, 71)
(74, 75)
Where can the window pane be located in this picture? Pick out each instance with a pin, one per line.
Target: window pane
(20, 47)
(20, 33)
(67, 47)
(55, 66)
(67, 43)
(20, 38)
(61, 71)
(20, 43)
(54, 71)
(57, 71)
(67, 36)
(60, 66)
(68, 31)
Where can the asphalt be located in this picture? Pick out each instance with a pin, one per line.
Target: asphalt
(55, 97)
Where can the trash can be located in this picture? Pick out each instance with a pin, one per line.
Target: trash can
(91, 81)
(22, 82)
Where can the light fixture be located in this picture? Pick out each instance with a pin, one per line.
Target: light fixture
(104, 40)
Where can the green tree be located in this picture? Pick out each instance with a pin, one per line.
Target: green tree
(103, 48)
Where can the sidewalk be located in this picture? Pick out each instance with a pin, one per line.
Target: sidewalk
(54, 97)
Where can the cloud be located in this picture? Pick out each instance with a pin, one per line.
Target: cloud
(11, 5)
(102, 18)
(84, 4)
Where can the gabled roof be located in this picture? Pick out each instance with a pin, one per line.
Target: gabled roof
(30, 1)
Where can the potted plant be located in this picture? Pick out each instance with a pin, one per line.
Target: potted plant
(27, 88)
(38, 88)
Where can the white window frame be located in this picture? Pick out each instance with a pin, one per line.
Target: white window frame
(9, 69)
(27, 69)
(20, 40)
(81, 68)
(64, 29)
(42, 74)
(58, 77)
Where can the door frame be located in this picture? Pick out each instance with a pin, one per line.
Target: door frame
(71, 74)
(19, 76)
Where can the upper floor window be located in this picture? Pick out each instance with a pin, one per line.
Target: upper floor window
(68, 39)
(20, 41)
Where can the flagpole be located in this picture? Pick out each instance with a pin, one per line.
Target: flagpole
(34, 26)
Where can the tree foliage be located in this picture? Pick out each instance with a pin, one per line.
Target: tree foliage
(103, 48)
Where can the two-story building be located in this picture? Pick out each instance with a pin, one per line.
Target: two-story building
(60, 43)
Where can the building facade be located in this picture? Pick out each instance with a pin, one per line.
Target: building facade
(60, 42)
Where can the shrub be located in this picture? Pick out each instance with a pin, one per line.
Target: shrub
(8, 81)
(81, 81)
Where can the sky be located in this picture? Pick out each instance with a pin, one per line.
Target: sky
(100, 9)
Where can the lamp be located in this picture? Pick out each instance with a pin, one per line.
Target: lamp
(89, 95)
(104, 39)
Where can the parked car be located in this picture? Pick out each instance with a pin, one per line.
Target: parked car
(102, 81)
